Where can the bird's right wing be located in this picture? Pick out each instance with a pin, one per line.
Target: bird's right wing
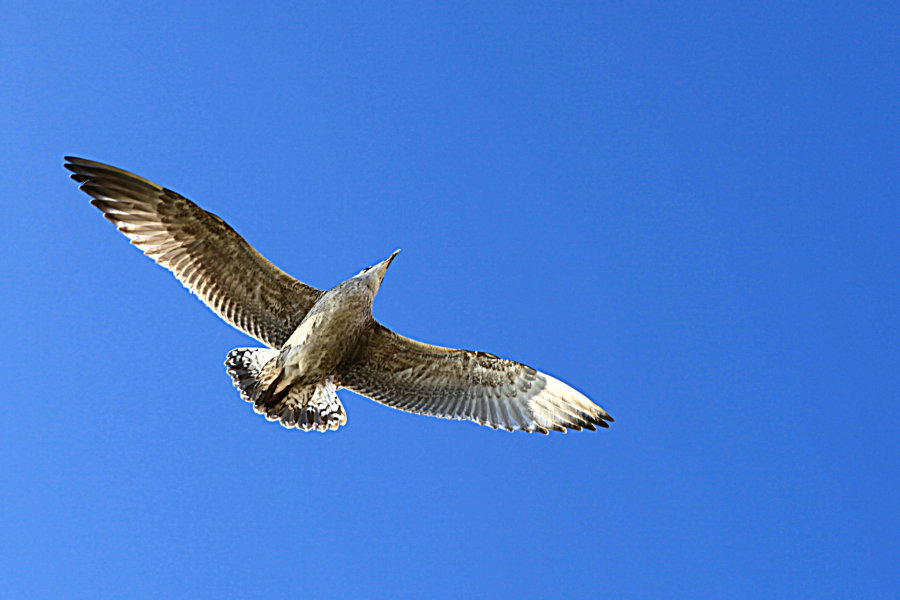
(201, 249)
(464, 385)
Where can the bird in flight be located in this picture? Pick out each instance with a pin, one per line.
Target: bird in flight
(319, 341)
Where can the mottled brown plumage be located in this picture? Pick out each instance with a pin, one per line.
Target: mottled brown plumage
(317, 340)
(202, 250)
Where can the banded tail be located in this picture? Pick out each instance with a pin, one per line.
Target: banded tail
(256, 373)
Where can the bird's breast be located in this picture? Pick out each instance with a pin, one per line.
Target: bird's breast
(329, 331)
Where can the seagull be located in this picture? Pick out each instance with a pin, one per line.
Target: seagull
(319, 341)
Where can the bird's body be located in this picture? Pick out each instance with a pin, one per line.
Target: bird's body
(333, 326)
(319, 341)
(307, 363)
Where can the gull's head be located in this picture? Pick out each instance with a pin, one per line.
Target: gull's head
(374, 274)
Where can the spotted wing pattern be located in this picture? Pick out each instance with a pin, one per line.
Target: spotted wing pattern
(202, 250)
(464, 385)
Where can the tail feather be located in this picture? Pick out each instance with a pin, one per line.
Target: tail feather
(252, 370)
(256, 373)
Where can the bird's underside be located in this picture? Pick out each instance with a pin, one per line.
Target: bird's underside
(300, 324)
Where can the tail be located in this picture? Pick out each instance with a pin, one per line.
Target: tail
(256, 373)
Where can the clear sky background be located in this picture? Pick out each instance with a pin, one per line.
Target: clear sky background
(688, 211)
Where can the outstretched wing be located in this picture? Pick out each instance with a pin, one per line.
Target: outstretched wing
(201, 249)
(464, 385)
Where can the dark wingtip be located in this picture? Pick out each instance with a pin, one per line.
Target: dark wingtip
(76, 165)
(72, 161)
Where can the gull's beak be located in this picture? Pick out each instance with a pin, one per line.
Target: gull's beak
(381, 268)
(387, 262)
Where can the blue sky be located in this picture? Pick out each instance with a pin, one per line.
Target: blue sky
(688, 211)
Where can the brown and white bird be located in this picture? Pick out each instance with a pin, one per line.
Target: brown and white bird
(320, 341)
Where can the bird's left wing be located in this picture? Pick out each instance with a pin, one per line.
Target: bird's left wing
(464, 385)
(202, 250)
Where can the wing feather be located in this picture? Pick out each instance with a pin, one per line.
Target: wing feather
(201, 250)
(464, 385)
